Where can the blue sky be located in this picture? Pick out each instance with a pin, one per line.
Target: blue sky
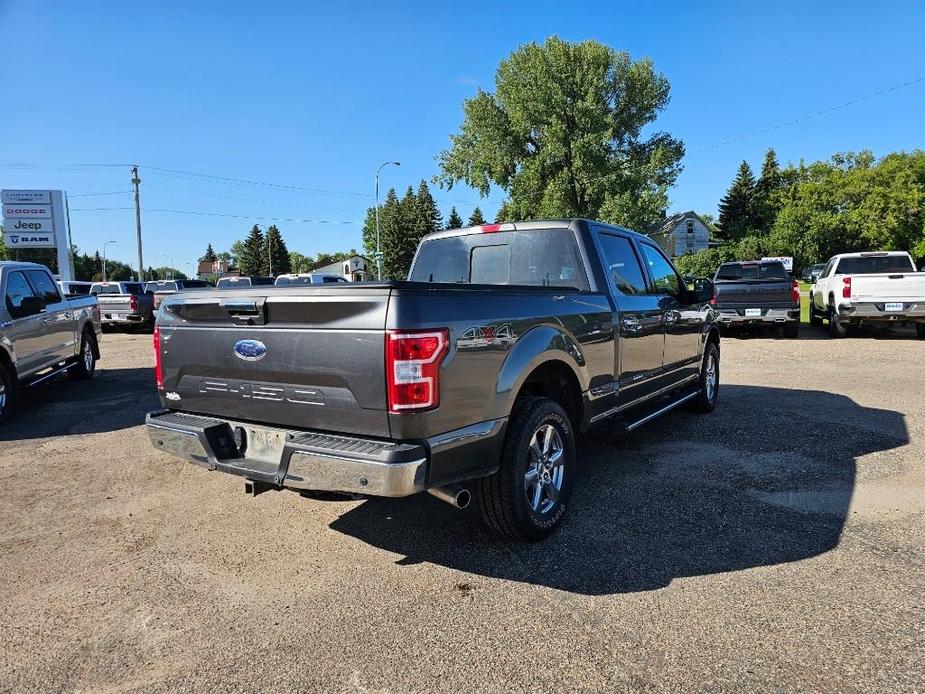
(315, 95)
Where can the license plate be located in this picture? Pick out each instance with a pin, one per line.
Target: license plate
(893, 307)
(753, 313)
(264, 444)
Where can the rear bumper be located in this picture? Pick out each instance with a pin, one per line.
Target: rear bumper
(319, 461)
(116, 318)
(876, 311)
(768, 315)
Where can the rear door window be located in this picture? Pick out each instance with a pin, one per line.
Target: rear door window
(623, 265)
(45, 287)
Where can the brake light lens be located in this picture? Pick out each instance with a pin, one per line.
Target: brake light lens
(795, 292)
(158, 370)
(846, 287)
(133, 303)
(412, 363)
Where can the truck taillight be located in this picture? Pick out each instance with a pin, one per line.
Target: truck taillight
(412, 363)
(158, 370)
(795, 291)
(846, 287)
(133, 303)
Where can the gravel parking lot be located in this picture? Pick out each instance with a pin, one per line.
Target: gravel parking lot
(775, 544)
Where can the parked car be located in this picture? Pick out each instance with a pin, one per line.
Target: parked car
(752, 292)
(474, 375)
(859, 288)
(307, 278)
(812, 272)
(42, 332)
(124, 304)
(74, 288)
(162, 288)
(238, 282)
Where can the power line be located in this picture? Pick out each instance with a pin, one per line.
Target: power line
(216, 214)
(112, 192)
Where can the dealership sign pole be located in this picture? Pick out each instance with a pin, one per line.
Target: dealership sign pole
(39, 219)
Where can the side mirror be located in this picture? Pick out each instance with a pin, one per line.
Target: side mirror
(703, 291)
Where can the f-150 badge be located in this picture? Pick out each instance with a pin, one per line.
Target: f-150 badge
(486, 336)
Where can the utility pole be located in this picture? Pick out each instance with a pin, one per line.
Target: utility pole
(141, 264)
(270, 251)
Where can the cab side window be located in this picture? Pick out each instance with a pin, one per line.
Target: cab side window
(664, 278)
(17, 289)
(45, 286)
(622, 265)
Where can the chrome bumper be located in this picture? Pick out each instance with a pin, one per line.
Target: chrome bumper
(769, 315)
(876, 311)
(308, 460)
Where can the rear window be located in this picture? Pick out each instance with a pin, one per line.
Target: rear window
(752, 271)
(233, 282)
(74, 289)
(292, 281)
(194, 284)
(106, 289)
(537, 257)
(872, 265)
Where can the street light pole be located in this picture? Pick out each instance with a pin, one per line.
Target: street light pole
(170, 258)
(104, 258)
(378, 244)
(141, 263)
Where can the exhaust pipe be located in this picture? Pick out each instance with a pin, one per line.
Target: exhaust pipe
(453, 494)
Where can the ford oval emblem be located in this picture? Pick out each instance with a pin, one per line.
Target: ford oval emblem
(250, 350)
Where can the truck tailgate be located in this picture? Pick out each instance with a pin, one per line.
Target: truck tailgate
(307, 358)
(905, 287)
(753, 293)
(115, 303)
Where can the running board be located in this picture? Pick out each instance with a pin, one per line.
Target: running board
(648, 415)
(54, 372)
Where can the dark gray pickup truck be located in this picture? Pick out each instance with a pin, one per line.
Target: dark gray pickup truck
(473, 376)
(755, 292)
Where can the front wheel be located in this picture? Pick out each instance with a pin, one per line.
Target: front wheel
(527, 498)
(705, 400)
(85, 366)
(6, 393)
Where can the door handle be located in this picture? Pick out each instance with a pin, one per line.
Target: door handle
(630, 325)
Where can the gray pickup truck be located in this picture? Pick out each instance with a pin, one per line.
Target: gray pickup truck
(473, 376)
(758, 293)
(42, 332)
(125, 304)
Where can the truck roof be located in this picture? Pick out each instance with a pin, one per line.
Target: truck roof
(21, 264)
(871, 254)
(566, 223)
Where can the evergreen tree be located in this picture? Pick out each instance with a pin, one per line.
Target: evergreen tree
(250, 260)
(402, 224)
(209, 255)
(429, 207)
(476, 218)
(736, 214)
(503, 214)
(275, 260)
(767, 201)
(454, 221)
(388, 221)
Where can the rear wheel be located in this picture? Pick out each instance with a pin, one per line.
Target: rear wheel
(815, 319)
(85, 366)
(791, 330)
(705, 401)
(837, 328)
(6, 393)
(527, 498)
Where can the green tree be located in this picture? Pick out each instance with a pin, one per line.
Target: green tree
(404, 225)
(233, 254)
(736, 216)
(389, 225)
(476, 218)
(276, 256)
(767, 195)
(299, 262)
(209, 255)
(4, 251)
(251, 258)
(562, 135)
(454, 221)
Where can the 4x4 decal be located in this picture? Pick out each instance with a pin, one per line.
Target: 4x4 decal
(485, 336)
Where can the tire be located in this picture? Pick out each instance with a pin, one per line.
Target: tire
(537, 426)
(920, 330)
(815, 319)
(707, 396)
(85, 366)
(837, 329)
(6, 393)
(791, 330)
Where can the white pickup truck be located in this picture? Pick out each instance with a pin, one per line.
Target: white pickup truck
(857, 288)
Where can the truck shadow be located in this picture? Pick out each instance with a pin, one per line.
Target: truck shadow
(114, 399)
(766, 479)
(808, 332)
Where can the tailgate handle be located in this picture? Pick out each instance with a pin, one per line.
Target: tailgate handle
(247, 312)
